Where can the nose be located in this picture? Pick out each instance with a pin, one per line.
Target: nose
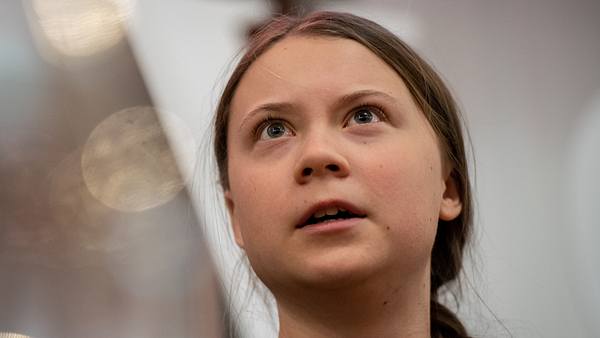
(320, 158)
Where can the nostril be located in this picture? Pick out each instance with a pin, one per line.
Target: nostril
(307, 171)
(333, 167)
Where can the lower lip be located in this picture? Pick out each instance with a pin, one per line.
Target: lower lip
(331, 226)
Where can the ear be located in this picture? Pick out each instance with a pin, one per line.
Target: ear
(451, 205)
(235, 224)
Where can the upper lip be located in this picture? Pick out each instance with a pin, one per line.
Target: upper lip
(340, 204)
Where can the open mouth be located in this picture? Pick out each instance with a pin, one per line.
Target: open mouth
(329, 214)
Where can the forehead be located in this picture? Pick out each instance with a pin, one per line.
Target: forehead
(314, 67)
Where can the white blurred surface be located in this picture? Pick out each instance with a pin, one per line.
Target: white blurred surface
(584, 196)
(524, 73)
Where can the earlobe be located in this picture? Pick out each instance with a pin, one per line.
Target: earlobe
(451, 205)
(235, 225)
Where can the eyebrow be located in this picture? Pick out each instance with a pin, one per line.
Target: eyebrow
(343, 100)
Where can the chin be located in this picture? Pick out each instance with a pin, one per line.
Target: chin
(337, 272)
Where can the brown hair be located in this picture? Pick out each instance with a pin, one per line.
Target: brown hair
(431, 95)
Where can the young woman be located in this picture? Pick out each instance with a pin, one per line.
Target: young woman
(341, 157)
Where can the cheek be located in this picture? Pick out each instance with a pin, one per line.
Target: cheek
(410, 175)
(249, 195)
(407, 189)
(253, 189)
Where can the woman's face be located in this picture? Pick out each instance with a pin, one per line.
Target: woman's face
(320, 125)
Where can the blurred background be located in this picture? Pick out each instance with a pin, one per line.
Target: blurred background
(110, 221)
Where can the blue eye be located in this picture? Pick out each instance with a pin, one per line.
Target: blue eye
(365, 115)
(274, 129)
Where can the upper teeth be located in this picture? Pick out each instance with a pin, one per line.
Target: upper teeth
(329, 211)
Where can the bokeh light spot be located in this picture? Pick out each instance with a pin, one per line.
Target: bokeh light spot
(12, 335)
(81, 27)
(127, 162)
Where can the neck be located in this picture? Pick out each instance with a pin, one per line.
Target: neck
(375, 308)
